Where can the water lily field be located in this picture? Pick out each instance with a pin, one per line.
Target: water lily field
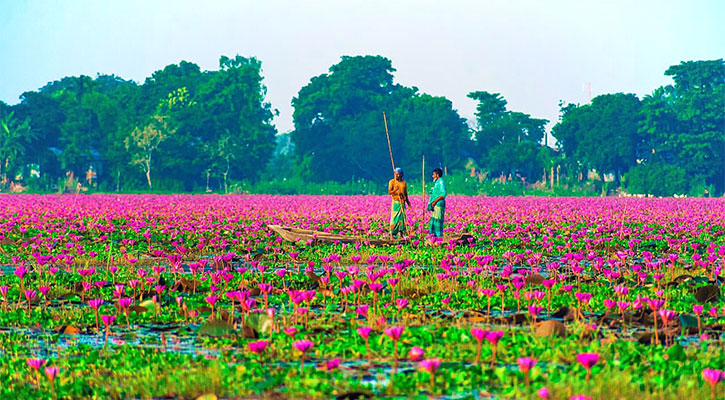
(188, 296)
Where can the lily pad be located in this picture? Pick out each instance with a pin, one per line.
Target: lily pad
(688, 321)
(216, 328)
(535, 279)
(260, 322)
(707, 293)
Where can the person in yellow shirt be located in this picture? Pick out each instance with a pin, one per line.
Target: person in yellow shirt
(398, 191)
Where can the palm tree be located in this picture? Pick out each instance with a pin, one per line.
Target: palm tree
(14, 136)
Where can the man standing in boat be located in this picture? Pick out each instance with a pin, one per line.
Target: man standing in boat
(437, 204)
(398, 190)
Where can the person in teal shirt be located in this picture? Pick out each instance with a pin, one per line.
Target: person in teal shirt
(437, 204)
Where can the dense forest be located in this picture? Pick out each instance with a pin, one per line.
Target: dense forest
(185, 129)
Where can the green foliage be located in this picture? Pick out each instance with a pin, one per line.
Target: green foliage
(339, 128)
(658, 180)
(684, 124)
(507, 142)
(220, 122)
(223, 132)
(238, 119)
(602, 135)
(15, 137)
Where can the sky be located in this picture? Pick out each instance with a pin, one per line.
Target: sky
(534, 52)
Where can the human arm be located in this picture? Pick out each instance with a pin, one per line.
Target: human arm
(392, 189)
(405, 193)
(436, 201)
(439, 190)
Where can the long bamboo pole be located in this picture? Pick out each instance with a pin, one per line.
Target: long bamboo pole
(390, 148)
(424, 205)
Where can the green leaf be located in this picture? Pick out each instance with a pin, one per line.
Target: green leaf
(688, 321)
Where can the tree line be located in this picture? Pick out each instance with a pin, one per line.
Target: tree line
(184, 129)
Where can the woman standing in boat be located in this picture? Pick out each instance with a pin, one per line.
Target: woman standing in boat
(398, 191)
(437, 204)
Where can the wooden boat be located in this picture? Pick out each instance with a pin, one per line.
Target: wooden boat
(317, 237)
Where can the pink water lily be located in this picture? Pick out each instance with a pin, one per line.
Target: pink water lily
(525, 366)
(303, 346)
(713, 377)
(479, 335)
(587, 360)
(431, 365)
(416, 353)
(494, 337)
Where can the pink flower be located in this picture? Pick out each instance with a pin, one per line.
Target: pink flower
(416, 353)
(494, 336)
(364, 331)
(332, 364)
(303, 345)
(362, 310)
(667, 315)
(587, 360)
(479, 334)
(36, 363)
(583, 297)
(375, 287)
(51, 372)
(543, 393)
(655, 304)
(95, 303)
(30, 294)
(430, 365)
(526, 363)
(394, 332)
(108, 319)
(712, 376)
(125, 302)
(212, 299)
(258, 347)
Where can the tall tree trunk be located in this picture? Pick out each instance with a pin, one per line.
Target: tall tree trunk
(552, 177)
(148, 170)
(225, 177)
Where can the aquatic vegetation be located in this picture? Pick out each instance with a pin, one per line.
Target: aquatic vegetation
(182, 296)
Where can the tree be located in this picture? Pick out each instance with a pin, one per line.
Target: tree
(491, 108)
(338, 119)
(241, 137)
(15, 135)
(142, 142)
(339, 133)
(684, 123)
(428, 125)
(46, 116)
(507, 142)
(602, 135)
(657, 179)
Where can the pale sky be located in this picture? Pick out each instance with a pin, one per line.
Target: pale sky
(534, 53)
